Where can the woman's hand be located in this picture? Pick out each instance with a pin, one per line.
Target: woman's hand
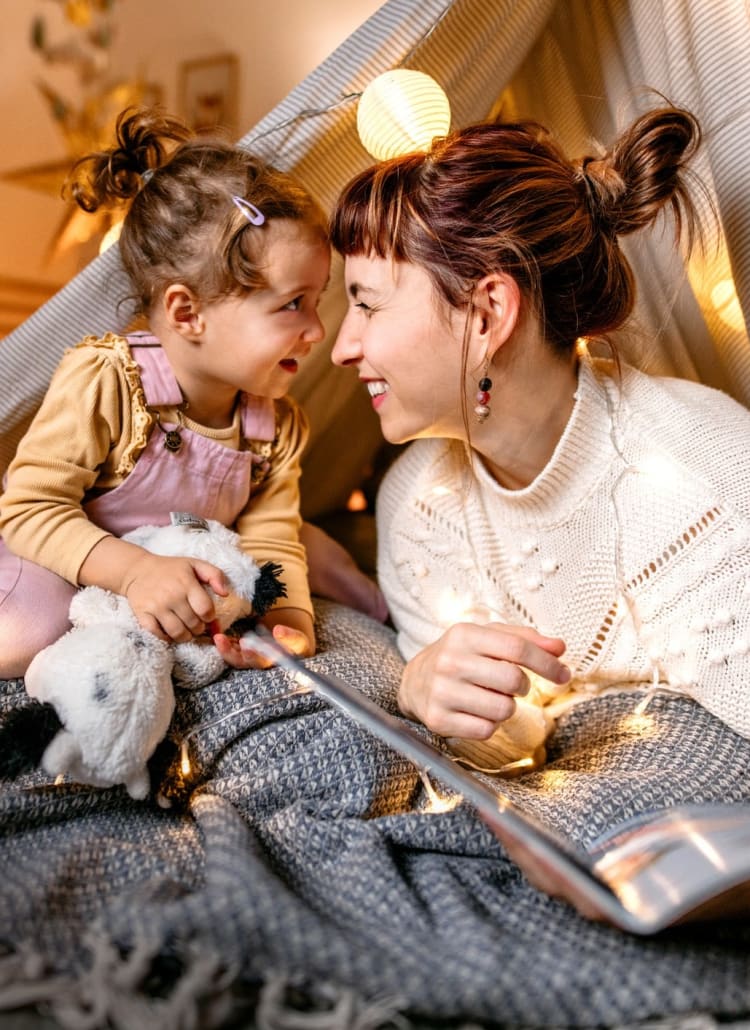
(465, 683)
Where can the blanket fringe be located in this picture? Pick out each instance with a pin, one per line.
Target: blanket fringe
(109, 994)
(345, 1010)
(24, 979)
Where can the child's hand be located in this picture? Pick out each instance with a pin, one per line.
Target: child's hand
(241, 656)
(169, 596)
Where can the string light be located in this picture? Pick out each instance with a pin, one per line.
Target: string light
(436, 802)
(185, 765)
(184, 757)
(435, 126)
(400, 111)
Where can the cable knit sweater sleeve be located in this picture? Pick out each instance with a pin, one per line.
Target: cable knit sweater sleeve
(633, 544)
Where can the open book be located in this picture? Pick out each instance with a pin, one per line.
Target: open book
(680, 864)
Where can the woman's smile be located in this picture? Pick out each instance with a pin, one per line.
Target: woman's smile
(377, 389)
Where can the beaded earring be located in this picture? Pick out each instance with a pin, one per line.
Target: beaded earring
(482, 408)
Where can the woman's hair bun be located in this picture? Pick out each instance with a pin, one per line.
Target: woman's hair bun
(627, 187)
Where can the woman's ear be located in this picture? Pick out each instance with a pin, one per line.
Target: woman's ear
(182, 310)
(497, 303)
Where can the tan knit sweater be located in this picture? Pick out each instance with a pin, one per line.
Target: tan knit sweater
(633, 544)
(85, 437)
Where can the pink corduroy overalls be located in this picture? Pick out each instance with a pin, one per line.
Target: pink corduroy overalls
(203, 477)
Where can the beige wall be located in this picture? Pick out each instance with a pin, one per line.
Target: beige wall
(278, 42)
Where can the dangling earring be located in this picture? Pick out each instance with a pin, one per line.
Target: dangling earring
(484, 386)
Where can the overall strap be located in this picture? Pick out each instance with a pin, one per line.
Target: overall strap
(159, 383)
(258, 417)
(162, 389)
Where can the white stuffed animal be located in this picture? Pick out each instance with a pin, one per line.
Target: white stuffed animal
(111, 682)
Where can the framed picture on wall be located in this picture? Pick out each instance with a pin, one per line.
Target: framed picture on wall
(207, 92)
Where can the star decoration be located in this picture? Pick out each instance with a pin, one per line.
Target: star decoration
(86, 126)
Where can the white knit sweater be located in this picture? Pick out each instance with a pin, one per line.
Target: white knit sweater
(633, 544)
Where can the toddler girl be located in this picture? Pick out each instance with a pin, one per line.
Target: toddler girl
(227, 258)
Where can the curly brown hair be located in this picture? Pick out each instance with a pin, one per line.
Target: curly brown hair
(182, 224)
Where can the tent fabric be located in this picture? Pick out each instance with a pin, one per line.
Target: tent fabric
(591, 70)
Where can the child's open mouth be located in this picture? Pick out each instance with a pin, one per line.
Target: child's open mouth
(289, 364)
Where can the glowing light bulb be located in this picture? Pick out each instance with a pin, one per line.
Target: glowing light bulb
(453, 605)
(664, 473)
(357, 501)
(436, 802)
(400, 112)
(726, 304)
(184, 758)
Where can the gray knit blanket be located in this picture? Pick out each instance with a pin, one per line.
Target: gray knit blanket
(303, 877)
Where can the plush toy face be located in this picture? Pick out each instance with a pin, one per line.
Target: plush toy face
(253, 588)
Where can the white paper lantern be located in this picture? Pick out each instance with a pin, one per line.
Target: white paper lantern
(402, 111)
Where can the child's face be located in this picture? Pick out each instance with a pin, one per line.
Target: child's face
(254, 342)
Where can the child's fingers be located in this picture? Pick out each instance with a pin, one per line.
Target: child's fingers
(152, 625)
(211, 576)
(293, 640)
(236, 655)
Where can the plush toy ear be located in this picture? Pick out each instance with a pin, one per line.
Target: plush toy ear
(268, 588)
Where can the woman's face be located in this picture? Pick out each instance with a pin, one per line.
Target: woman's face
(405, 342)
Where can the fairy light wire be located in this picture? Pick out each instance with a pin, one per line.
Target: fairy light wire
(299, 688)
(314, 112)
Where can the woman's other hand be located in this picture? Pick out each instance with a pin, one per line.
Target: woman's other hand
(465, 684)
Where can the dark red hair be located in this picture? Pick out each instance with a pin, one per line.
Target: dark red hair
(504, 197)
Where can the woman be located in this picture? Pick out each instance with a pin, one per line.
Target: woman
(564, 523)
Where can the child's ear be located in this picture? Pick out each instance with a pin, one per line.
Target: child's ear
(497, 302)
(183, 310)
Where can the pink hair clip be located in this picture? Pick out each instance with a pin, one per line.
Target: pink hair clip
(250, 211)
